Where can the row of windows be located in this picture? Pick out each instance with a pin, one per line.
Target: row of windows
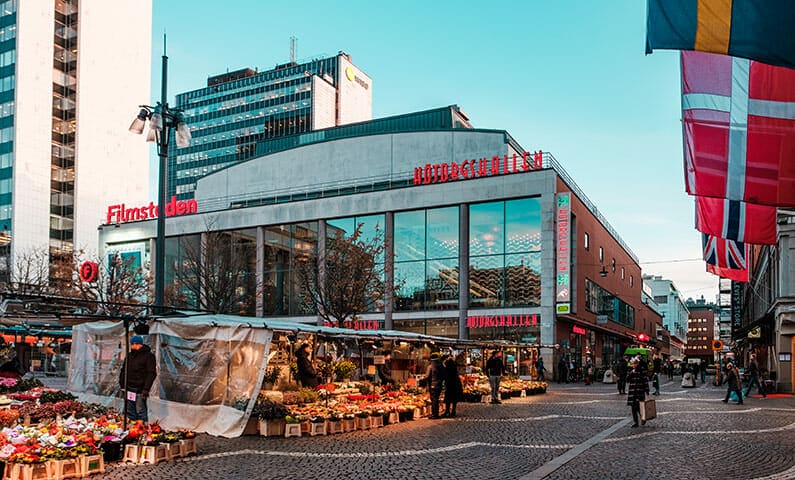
(186, 188)
(696, 339)
(698, 320)
(215, 111)
(211, 96)
(6, 160)
(8, 58)
(8, 7)
(8, 33)
(587, 245)
(6, 109)
(200, 172)
(601, 302)
(7, 83)
(697, 329)
(698, 347)
(6, 134)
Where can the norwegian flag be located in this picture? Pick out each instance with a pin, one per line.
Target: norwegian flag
(739, 129)
(734, 220)
(726, 258)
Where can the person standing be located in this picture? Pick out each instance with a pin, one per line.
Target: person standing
(453, 388)
(638, 388)
(540, 369)
(703, 370)
(385, 371)
(669, 364)
(656, 370)
(434, 379)
(307, 374)
(621, 370)
(137, 376)
(563, 370)
(494, 369)
(753, 372)
(588, 370)
(733, 378)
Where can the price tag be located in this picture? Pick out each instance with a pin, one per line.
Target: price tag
(131, 396)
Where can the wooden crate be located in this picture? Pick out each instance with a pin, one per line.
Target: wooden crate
(271, 428)
(20, 471)
(62, 469)
(91, 464)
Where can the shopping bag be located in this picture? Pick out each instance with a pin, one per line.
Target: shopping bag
(733, 396)
(648, 410)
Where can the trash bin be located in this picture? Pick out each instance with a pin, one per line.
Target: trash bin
(609, 377)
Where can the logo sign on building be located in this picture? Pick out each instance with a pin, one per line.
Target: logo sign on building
(89, 271)
(122, 213)
(563, 250)
(577, 330)
(737, 305)
(601, 319)
(486, 321)
(563, 308)
(478, 167)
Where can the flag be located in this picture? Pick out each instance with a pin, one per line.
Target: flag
(754, 29)
(739, 129)
(725, 258)
(738, 221)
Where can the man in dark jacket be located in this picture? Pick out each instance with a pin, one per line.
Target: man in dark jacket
(494, 369)
(138, 373)
(453, 389)
(434, 378)
(621, 371)
(733, 377)
(638, 386)
(656, 370)
(753, 373)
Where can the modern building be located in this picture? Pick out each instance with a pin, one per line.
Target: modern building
(237, 111)
(670, 303)
(483, 238)
(71, 73)
(700, 329)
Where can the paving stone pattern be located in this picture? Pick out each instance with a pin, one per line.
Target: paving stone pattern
(694, 436)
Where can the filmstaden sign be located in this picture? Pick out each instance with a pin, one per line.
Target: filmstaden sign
(121, 213)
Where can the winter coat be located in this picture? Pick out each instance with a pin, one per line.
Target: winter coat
(494, 366)
(453, 389)
(434, 375)
(734, 379)
(657, 365)
(142, 370)
(621, 369)
(753, 368)
(306, 372)
(638, 386)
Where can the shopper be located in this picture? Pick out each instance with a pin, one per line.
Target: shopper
(588, 370)
(753, 372)
(656, 370)
(494, 369)
(540, 369)
(563, 370)
(621, 371)
(453, 388)
(434, 379)
(137, 376)
(733, 378)
(638, 388)
(307, 374)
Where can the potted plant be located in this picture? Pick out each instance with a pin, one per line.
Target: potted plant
(271, 417)
(343, 370)
(271, 377)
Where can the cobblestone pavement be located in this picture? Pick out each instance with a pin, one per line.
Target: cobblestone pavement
(574, 431)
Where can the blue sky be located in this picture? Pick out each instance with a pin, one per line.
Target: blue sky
(567, 77)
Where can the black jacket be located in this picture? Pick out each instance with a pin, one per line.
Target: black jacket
(734, 379)
(453, 389)
(638, 386)
(494, 366)
(434, 375)
(621, 369)
(142, 370)
(306, 372)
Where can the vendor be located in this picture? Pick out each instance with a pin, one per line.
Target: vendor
(307, 374)
(385, 370)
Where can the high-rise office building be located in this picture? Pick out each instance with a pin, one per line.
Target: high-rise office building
(72, 73)
(237, 110)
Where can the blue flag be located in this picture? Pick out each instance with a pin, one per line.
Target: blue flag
(758, 30)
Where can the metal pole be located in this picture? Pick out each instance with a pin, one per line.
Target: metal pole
(126, 324)
(162, 152)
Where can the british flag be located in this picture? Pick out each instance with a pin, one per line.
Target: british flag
(726, 258)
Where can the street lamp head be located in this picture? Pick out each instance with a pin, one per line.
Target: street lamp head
(137, 126)
(182, 134)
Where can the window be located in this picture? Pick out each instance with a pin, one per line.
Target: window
(601, 255)
(631, 281)
(613, 265)
(587, 241)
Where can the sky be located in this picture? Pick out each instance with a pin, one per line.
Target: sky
(566, 77)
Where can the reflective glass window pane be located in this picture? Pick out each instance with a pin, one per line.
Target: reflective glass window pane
(442, 233)
(486, 281)
(409, 236)
(344, 225)
(442, 285)
(523, 279)
(523, 225)
(486, 229)
(410, 277)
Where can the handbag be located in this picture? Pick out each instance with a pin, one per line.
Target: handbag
(648, 410)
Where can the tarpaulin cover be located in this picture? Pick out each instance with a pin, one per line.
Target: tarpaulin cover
(209, 370)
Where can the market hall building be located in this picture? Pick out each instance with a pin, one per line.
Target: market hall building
(484, 239)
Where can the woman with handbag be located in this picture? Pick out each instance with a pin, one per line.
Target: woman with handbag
(637, 387)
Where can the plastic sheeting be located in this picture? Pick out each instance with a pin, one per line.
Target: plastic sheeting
(209, 370)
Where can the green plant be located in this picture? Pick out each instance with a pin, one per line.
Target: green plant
(267, 409)
(344, 369)
(272, 375)
(307, 395)
(289, 387)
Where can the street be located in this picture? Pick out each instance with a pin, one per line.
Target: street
(574, 431)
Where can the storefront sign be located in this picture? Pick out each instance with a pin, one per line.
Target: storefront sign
(755, 332)
(563, 308)
(485, 321)
(89, 271)
(736, 305)
(563, 249)
(578, 330)
(358, 324)
(482, 167)
(121, 213)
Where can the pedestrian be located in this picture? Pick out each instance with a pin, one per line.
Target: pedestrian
(434, 379)
(656, 371)
(733, 378)
(670, 365)
(703, 370)
(307, 374)
(588, 370)
(563, 370)
(540, 369)
(638, 388)
(453, 388)
(494, 369)
(621, 370)
(137, 375)
(385, 371)
(753, 372)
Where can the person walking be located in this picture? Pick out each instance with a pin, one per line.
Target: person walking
(563, 370)
(307, 374)
(453, 388)
(670, 366)
(621, 370)
(494, 369)
(540, 369)
(656, 370)
(733, 378)
(753, 372)
(638, 386)
(434, 379)
(703, 370)
(137, 375)
(588, 370)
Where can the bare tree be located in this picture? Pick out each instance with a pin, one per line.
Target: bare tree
(348, 279)
(30, 274)
(215, 272)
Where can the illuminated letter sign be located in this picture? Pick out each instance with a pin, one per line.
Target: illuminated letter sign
(563, 242)
(480, 167)
(486, 321)
(89, 272)
(578, 330)
(121, 213)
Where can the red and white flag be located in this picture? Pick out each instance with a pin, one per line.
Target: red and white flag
(726, 258)
(739, 129)
(734, 220)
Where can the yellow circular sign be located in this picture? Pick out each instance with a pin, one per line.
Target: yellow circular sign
(350, 73)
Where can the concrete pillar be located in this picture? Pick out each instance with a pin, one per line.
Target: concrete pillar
(463, 270)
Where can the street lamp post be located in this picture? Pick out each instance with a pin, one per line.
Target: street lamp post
(162, 120)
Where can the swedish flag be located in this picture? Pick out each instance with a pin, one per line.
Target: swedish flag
(762, 30)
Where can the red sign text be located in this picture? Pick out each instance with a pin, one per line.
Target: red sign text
(484, 321)
(483, 167)
(121, 213)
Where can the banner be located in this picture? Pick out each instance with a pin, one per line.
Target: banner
(734, 220)
(726, 258)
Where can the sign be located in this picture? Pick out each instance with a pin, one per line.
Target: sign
(601, 319)
(379, 360)
(785, 356)
(563, 308)
(717, 345)
(755, 332)
(89, 271)
(121, 213)
(350, 74)
(563, 249)
(359, 324)
(578, 330)
(737, 305)
(529, 339)
(481, 167)
(486, 321)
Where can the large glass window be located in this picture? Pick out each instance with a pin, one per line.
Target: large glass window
(285, 245)
(426, 259)
(372, 228)
(505, 253)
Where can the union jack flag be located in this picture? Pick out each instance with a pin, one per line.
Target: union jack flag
(725, 258)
